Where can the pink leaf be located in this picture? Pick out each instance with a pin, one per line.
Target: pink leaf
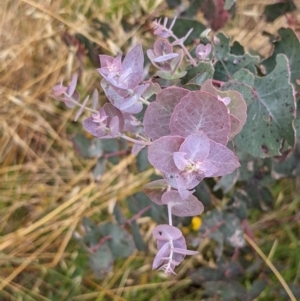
(188, 207)
(237, 106)
(155, 190)
(160, 153)
(201, 111)
(223, 158)
(158, 113)
(166, 232)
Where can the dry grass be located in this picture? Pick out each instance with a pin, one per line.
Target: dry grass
(46, 188)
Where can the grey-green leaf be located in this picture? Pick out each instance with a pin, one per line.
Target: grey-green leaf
(101, 261)
(271, 109)
(121, 242)
(198, 75)
(290, 46)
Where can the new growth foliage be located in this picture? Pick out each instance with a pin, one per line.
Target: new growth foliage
(193, 127)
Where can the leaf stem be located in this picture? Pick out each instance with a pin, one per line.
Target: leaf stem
(134, 140)
(79, 104)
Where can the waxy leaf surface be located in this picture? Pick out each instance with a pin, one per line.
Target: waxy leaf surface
(201, 111)
(166, 232)
(155, 190)
(160, 153)
(271, 109)
(237, 107)
(157, 116)
(189, 207)
(290, 46)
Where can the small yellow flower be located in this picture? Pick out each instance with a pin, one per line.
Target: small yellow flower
(196, 223)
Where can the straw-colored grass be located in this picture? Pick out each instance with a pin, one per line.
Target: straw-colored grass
(46, 187)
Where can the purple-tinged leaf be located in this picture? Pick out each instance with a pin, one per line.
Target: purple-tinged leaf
(183, 181)
(58, 90)
(162, 253)
(166, 232)
(185, 252)
(162, 46)
(201, 111)
(134, 60)
(160, 153)
(79, 112)
(237, 106)
(154, 190)
(188, 207)
(175, 63)
(94, 128)
(178, 243)
(223, 158)
(196, 146)
(166, 57)
(95, 99)
(72, 86)
(111, 112)
(158, 113)
(114, 126)
(97, 124)
(152, 89)
(136, 148)
(203, 51)
(105, 60)
(126, 102)
(180, 160)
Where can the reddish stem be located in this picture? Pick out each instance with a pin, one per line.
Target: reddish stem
(113, 154)
(218, 83)
(139, 214)
(102, 241)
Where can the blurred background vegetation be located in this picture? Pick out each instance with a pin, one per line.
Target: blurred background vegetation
(46, 187)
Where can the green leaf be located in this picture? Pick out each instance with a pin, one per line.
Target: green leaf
(118, 214)
(142, 160)
(203, 194)
(273, 11)
(227, 182)
(121, 242)
(237, 204)
(211, 220)
(260, 196)
(244, 76)
(101, 261)
(257, 288)
(182, 26)
(228, 63)
(222, 48)
(99, 169)
(226, 290)
(232, 230)
(204, 274)
(140, 200)
(92, 234)
(111, 146)
(237, 48)
(137, 237)
(198, 75)
(271, 108)
(290, 46)
(194, 7)
(88, 148)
